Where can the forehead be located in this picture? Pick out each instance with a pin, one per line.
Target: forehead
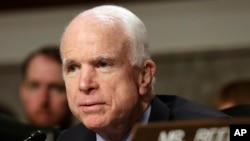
(39, 58)
(92, 35)
(42, 63)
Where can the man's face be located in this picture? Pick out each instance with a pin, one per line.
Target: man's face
(102, 86)
(43, 92)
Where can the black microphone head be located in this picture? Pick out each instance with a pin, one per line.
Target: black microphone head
(36, 136)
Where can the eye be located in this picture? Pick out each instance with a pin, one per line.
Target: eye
(59, 88)
(33, 85)
(71, 68)
(103, 64)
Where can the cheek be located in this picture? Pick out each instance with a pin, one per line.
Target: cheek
(71, 91)
(123, 104)
(31, 103)
(58, 102)
(31, 106)
(124, 92)
(71, 83)
(71, 88)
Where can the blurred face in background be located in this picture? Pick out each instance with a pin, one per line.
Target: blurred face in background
(43, 92)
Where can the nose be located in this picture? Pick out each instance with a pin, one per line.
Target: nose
(87, 82)
(44, 96)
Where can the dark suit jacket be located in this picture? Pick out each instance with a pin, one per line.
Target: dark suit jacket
(238, 111)
(163, 108)
(12, 130)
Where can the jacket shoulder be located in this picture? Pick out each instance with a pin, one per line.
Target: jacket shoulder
(181, 108)
(77, 133)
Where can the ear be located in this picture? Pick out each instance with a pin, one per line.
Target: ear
(147, 74)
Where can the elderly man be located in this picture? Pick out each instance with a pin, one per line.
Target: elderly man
(108, 75)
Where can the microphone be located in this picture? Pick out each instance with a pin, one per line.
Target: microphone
(36, 136)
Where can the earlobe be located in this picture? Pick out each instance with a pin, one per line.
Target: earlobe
(147, 74)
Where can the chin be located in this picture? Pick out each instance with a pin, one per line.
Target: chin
(94, 122)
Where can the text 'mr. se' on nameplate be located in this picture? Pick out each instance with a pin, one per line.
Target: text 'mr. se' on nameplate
(235, 129)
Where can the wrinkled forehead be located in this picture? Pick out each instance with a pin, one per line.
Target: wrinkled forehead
(91, 19)
(89, 22)
(89, 28)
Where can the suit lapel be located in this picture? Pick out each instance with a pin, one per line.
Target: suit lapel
(159, 111)
(90, 136)
(86, 134)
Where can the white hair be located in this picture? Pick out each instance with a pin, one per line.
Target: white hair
(133, 26)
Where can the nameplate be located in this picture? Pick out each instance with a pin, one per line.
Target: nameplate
(194, 130)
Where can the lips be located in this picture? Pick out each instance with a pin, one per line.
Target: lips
(88, 104)
(91, 107)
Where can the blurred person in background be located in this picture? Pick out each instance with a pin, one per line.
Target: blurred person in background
(42, 90)
(234, 98)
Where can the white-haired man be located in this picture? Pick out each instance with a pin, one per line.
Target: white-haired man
(108, 75)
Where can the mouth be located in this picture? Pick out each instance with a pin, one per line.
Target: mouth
(90, 107)
(88, 104)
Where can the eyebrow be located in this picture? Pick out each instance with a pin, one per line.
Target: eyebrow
(107, 57)
(103, 57)
(67, 61)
